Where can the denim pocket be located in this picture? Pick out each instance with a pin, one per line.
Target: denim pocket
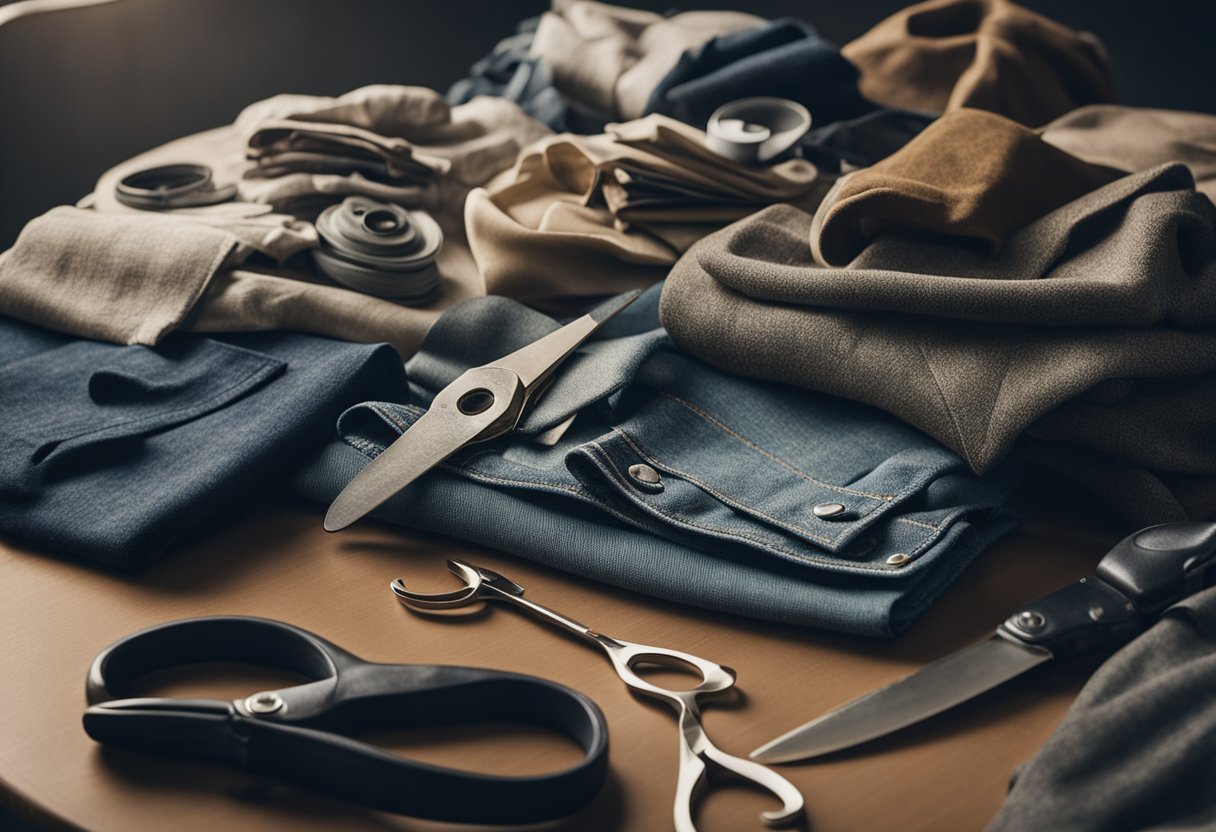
(64, 406)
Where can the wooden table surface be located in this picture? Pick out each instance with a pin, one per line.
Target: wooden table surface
(947, 774)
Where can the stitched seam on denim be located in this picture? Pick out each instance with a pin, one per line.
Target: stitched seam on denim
(918, 523)
(768, 454)
(941, 394)
(729, 501)
(182, 412)
(839, 564)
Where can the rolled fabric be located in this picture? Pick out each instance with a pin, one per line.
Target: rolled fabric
(609, 59)
(994, 55)
(1091, 335)
(590, 215)
(1139, 138)
(971, 175)
(785, 59)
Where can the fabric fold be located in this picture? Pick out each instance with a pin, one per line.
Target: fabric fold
(1069, 335)
(993, 55)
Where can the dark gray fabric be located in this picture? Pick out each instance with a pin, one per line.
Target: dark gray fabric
(1092, 331)
(1137, 750)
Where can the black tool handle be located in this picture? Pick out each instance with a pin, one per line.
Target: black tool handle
(300, 737)
(1141, 576)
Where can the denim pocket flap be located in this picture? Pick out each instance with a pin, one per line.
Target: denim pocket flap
(86, 393)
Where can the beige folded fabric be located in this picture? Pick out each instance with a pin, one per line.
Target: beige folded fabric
(1138, 138)
(610, 58)
(472, 142)
(990, 54)
(132, 278)
(593, 215)
(972, 175)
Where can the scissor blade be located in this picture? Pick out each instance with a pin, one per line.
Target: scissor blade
(535, 362)
(427, 442)
(935, 688)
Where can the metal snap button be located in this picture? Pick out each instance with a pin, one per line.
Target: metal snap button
(898, 559)
(826, 511)
(644, 474)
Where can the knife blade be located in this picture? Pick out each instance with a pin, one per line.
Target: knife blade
(1134, 583)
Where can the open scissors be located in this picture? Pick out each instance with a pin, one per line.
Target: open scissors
(482, 403)
(298, 734)
(696, 751)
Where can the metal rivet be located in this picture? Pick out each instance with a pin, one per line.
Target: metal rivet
(898, 559)
(826, 510)
(264, 703)
(645, 474)
(1096, 613)
(1029, 621)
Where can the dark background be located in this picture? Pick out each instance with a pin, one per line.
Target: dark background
(81, 90)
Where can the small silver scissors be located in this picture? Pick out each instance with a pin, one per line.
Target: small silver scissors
(696, 751)
(482, 403)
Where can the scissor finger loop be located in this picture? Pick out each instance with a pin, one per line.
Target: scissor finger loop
(627, 656)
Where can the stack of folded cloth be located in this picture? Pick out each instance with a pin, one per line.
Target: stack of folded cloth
(996, 292)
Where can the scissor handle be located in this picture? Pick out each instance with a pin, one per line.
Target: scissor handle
(297, 734)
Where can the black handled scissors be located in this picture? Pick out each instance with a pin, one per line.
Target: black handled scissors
(295, 734)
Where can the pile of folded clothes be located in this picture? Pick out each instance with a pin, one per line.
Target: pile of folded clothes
(974, 267)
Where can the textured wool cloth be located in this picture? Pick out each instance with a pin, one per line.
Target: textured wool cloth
(594, 215)
(1138, 138)
(134, 277)
(1135, 750)
(1091, 334)
(785, 59)
(990, 54)
(609, 59)
(116, 453)
(972, 174)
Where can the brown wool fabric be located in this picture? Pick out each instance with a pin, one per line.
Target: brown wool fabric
(580, 216)
(990, 54)
(971, 174)
(1139, 138)
(1091, 336)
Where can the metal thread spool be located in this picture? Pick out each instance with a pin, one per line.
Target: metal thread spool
(171, 186)
(756, 131)
(380, 249)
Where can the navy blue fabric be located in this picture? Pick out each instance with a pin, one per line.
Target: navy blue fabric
(510, 72)
(115, 452)
(786, 59)
(743, 463)
(862, 141)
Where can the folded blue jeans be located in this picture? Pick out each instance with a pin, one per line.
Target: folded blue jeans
(114, 453)
(731, 525)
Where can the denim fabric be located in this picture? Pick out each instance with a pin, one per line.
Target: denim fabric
(115, 452)
(786, 59)
(730, 527)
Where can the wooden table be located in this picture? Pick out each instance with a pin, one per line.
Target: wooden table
(947, 774)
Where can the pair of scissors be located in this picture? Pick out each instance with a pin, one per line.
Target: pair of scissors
(299, 734)
(483, 403)
(697, 753)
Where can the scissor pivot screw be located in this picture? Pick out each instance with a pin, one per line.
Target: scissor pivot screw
(264, 703)
(1029, 621)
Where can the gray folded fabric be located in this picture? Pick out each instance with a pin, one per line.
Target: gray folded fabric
(1138, 138)
(1135, 751)
(1091, 333)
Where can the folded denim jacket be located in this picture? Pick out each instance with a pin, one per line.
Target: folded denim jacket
(732, 523)
(115, 453)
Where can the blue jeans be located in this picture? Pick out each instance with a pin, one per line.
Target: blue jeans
(731, 525)
(114, 453)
